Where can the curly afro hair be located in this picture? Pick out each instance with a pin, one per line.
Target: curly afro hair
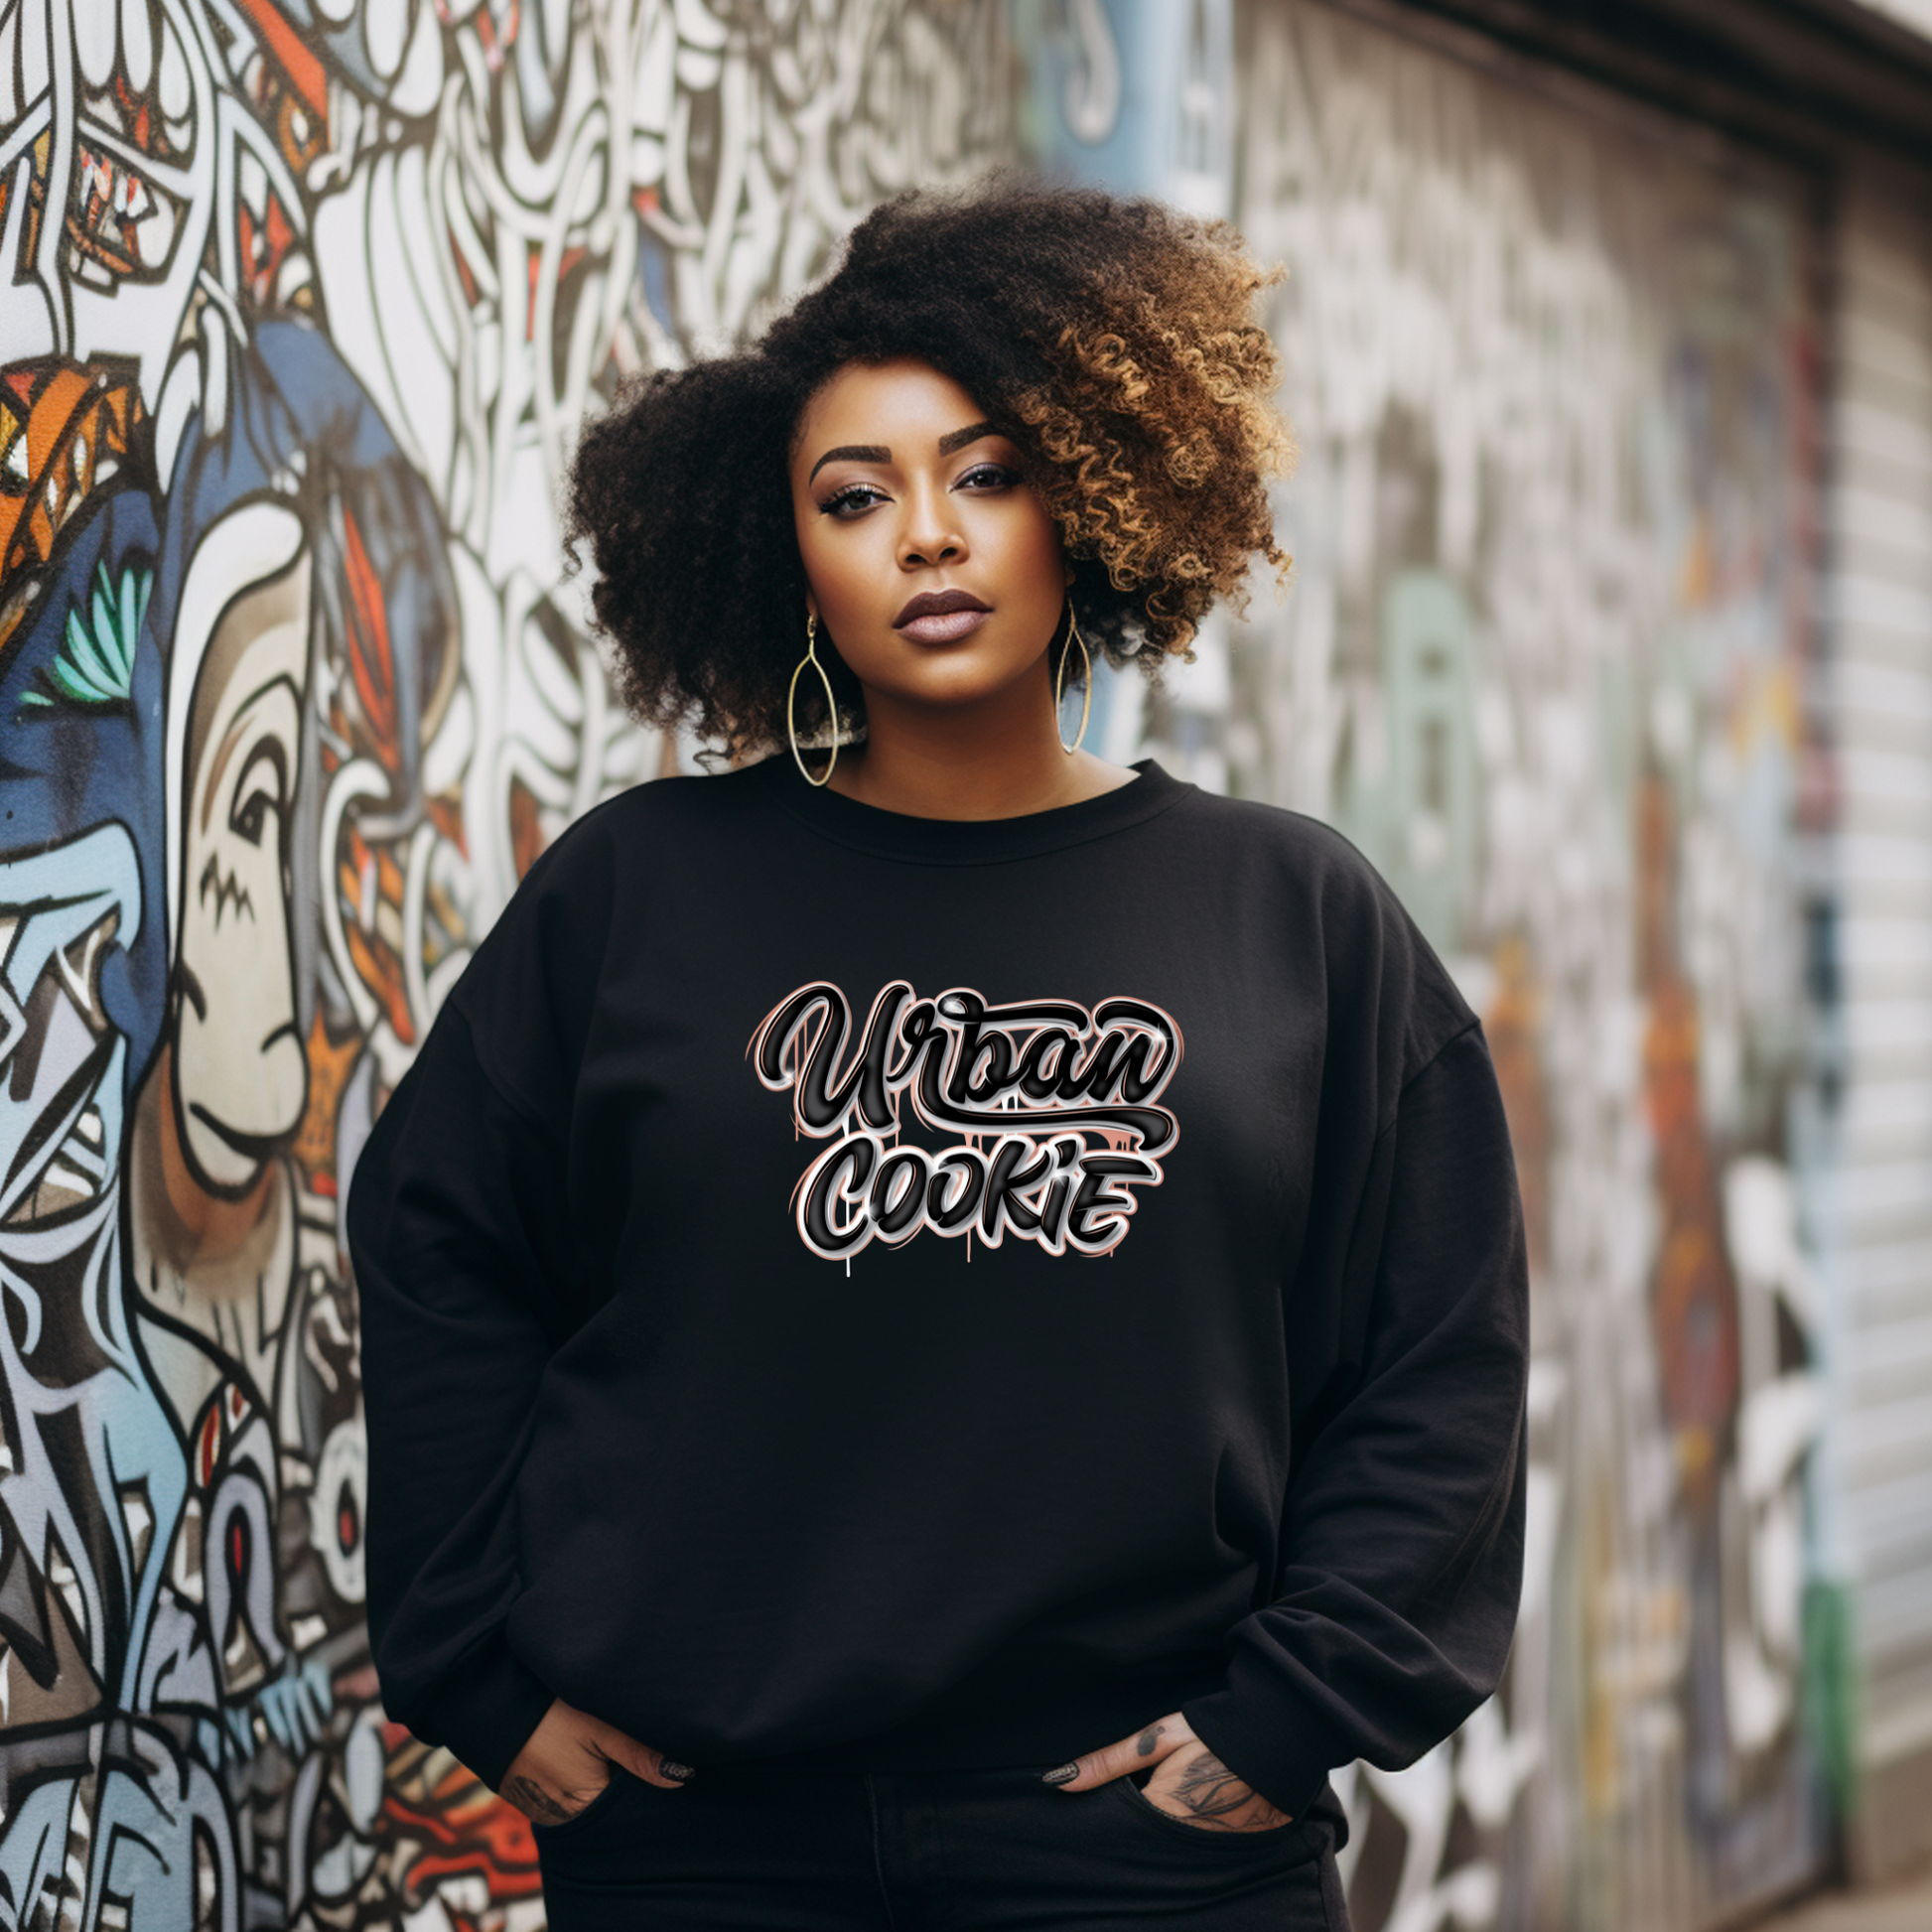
(1111, 340)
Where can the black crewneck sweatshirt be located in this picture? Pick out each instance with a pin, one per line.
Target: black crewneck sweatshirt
(886, 1292)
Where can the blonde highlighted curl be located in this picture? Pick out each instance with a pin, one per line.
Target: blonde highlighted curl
(1158, 439)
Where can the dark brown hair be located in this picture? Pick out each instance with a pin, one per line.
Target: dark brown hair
(1113, 340)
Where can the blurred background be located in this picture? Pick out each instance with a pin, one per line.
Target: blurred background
(1608, 346)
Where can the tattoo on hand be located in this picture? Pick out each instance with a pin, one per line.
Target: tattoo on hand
(1148, 1738)
(1212, 1791)
(531, 1798)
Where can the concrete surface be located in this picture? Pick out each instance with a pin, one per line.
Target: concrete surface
(1906, 1907)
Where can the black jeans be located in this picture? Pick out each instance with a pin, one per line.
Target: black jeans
(763, 1849)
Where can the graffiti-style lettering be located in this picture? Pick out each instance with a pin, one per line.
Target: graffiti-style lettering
(1060, 1102)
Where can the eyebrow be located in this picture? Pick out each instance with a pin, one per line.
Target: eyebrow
(956, 439)
(244, 718)
(853, 453)
(959, 438)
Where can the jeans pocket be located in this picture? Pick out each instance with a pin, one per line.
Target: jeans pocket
(600, 1803)
(1274, 1837)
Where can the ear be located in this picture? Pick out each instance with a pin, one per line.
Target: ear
(811, 605)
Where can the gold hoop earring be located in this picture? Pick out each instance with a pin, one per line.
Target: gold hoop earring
(831, 705)
(1086, 686)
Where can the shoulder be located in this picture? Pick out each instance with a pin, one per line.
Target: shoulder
(644, 839)
(527, 992)
(1310, 852)
(657, 811)
(1383, 975)
(630, 842)
(1315, 869)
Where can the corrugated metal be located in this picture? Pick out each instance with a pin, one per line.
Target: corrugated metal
(1879, 1486)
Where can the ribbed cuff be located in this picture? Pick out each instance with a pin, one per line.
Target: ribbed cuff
(485, 1714)
(1276, 1744)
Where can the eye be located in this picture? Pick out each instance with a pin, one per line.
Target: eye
(248, 817)
(259, 791)
(849, 501)
(987, 476)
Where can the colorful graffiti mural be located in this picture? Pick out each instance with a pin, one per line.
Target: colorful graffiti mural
(1552, 376)
(303, 300)
(1551, 370)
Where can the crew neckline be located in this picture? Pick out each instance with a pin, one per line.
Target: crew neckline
(968, 841)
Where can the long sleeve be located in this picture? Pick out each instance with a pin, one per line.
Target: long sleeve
(638, 1435)
(454, 1232)
(1401, 1565)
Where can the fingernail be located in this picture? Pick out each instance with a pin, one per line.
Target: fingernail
(673, 1769)
(1060, 1774)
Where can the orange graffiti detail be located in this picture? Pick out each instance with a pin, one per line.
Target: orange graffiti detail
(330, 1062)
(446, 814)
(1512, 1026)
(450, 1824)
(371, 664)
(1693, 1299)
(262, 249)
(526, 830)
(207, 1447)
(65, 431)
(41, 160)
(142, 130)
(497, 45)
(370, 883)
(93, 227)
(291, 55)
(188, 1221)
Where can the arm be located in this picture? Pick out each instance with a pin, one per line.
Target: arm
(454, 1230)
(1402, 1555)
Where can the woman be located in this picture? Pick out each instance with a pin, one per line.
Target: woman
(943, 1320)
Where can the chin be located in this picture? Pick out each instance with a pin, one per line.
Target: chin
(955, 676)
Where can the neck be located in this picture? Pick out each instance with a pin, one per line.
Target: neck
(1000, 758)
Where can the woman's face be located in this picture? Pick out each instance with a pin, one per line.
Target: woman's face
(930, 562)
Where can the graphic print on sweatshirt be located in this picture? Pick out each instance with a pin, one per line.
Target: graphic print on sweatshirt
(1054, 1105)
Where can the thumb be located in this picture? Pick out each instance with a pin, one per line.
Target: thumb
(641, 1760)
(1140, 1752)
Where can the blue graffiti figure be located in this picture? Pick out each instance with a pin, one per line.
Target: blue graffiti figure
(176, 1337)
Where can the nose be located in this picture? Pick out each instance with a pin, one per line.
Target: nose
(929, 534)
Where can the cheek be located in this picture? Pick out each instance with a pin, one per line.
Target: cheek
(1033, 560)
(845, 564)
(259, 865)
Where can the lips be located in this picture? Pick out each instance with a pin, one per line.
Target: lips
(941, 617)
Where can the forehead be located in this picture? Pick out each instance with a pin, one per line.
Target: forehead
(260, 641)
(903, 401)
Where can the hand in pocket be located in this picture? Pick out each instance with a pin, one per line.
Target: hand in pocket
(1188, 1781)
(568, 1759)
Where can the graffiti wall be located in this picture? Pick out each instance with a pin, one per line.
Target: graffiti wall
(1552, 363)
(1551, 370)
(300, 304)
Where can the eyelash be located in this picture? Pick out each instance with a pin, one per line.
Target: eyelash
(1003, 478)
